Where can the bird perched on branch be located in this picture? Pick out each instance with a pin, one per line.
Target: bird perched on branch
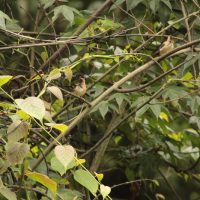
(80, 89)
(165, 47)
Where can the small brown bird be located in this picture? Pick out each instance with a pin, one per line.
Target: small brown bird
(81, 89)
(166, 47)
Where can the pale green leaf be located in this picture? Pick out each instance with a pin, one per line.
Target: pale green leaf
(47, 3)
(33, 106)
(54, 74)
(116, 4)
(66, 11)
(104, 190)
(156, 109)
(44, 55)
(56, 92)
(65, 154)
(68, 73)
(3, 18)
(154, 5)
(103, 108)
(87, 180)
(59, 167)
(8, 194)
(4, 164)
(67, 194)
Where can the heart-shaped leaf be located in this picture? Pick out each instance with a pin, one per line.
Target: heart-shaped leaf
(104, 190)
(16, 152)
(17, 130)
(65, 154)
(33, 106)
(56, 92)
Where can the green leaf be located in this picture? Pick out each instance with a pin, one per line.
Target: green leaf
(66, 11)
(119, 97)
(17, 130)
(156, 109)
(4, 79)
(16, 152)
(154, 5)
(87, 180)
(167, 3)
(65, 154)
(33, 106)
(103, 108)
(44, 55)
(68, 73)
(7, 106)
(107, 24)
(54, 74)
(141, 111)
(59, 167)
(6, 192)
(44, 180)
(117, 3)
(188, 76)
(67, 194)
(4, 164)
(130, 4)
(104, 190)
(56, 92)
(3, 18)
(47, 3)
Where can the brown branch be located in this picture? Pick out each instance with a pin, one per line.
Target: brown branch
(132, 74)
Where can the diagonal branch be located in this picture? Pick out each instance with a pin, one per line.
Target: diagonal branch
(87, 110)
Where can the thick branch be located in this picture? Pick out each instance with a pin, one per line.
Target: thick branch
(109, 91)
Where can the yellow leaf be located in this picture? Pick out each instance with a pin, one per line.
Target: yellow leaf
(99, 176)
(44, 56)
(80, 161)
(86, 56)
(44, 180)
(116, 59)
(128, 46)
(176, 136)
(4, 79)
(68, 73)
(23, 115)
(164, 116)
(61, 127)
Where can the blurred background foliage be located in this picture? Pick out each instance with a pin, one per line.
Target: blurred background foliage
(158, 145)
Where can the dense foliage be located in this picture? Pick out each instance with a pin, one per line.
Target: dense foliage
(86, 109)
